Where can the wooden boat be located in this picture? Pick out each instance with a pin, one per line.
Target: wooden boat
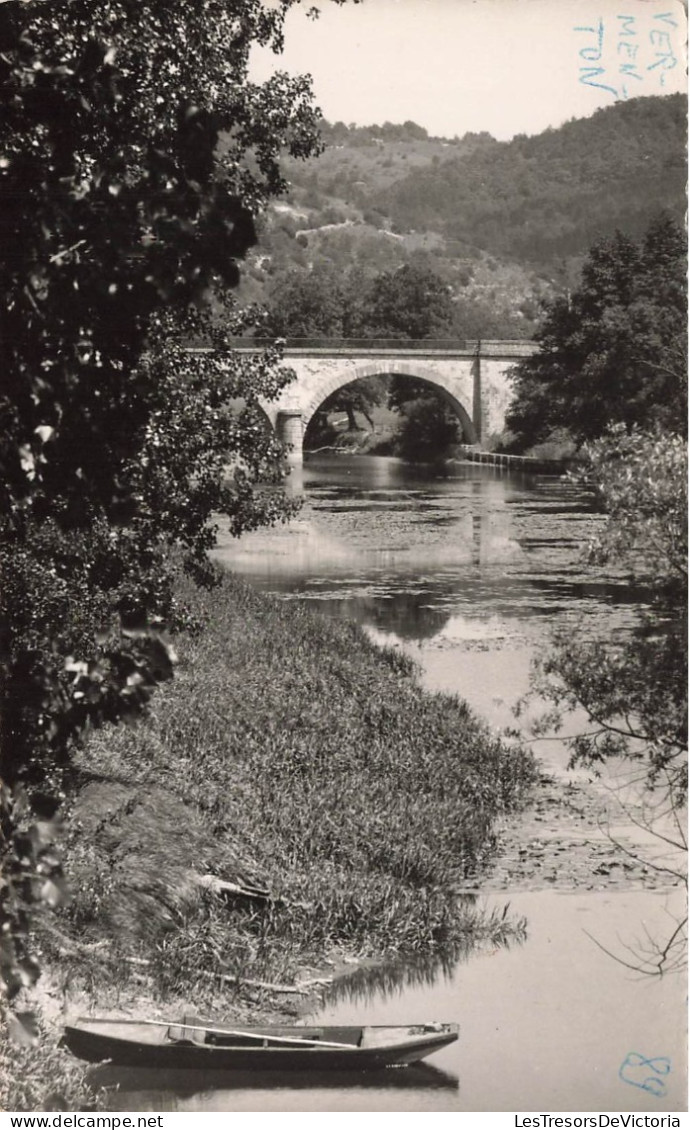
(196, 1043)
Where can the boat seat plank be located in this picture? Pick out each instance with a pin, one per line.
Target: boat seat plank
(178, 1034)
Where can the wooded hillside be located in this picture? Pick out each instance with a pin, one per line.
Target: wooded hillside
(505, 224)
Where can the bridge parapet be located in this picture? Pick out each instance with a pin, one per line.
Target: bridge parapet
(388, 346)
(517, 348)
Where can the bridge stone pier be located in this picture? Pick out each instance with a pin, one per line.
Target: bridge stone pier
(472, 376)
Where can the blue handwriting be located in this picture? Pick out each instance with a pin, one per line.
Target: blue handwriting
(620, 55)
(635, 1070)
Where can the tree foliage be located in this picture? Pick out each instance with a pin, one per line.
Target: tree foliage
(121, 211)
(308, 304)
(633, 686)
(615, 350)
(410, 302)
(429, 428)
(358, 396)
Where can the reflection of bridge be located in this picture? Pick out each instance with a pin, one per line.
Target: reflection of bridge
(472, 376)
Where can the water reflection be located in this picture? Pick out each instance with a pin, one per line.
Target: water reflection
(390, 979)
(402, 615)
(140, 1088)
(385, 980)
(402, 550)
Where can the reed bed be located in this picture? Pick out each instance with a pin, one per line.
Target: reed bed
(290, 753)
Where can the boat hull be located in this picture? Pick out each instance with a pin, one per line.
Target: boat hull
(93, 1042)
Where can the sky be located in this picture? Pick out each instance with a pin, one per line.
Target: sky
(503, 66)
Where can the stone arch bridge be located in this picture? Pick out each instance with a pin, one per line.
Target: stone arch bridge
(472, 376)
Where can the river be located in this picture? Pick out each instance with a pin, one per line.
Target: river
(470, 570)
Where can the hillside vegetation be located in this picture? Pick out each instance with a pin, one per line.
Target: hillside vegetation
(544, 198)
(505, 224)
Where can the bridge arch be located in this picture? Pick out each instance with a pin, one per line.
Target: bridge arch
(473, 377)
(388, 368)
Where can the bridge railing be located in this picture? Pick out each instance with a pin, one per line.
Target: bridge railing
(351, 343)
(484, 347)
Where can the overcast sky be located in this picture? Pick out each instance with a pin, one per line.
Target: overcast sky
(505, 66)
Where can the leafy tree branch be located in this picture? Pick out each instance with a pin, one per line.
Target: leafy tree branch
(135, 155)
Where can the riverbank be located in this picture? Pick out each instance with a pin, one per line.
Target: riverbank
(294, 798)
(559, 842)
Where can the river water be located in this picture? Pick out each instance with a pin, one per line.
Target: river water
(469, 570)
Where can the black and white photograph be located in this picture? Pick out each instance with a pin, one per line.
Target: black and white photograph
(343, 568)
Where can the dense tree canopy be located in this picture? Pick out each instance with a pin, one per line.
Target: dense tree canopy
(429, 428)
(120, 211)
(409, 302)
(115, 205)
(545, 198)
(308, 304)
(615, 350)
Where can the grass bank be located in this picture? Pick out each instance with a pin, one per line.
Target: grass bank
(292, 755)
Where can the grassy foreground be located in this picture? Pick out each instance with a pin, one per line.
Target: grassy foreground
(292, 753)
